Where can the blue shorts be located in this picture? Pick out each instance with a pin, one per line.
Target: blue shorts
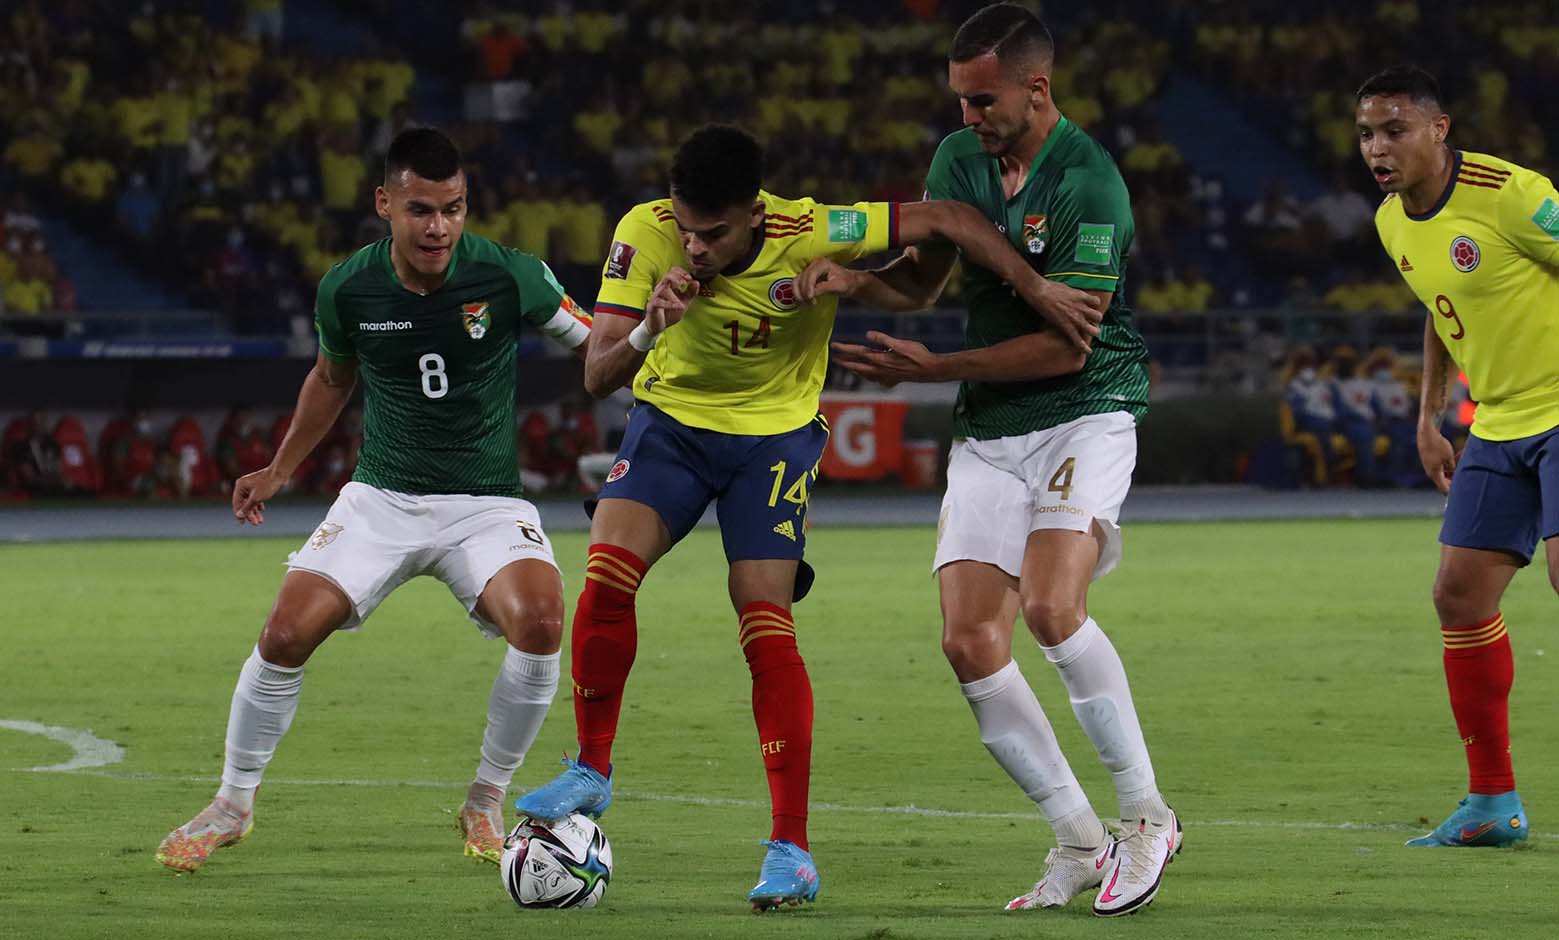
(1504, 495)
(760, 483)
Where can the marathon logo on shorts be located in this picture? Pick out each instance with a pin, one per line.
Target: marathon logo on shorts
(782, 294)
(325, 534)
(619, 261)
(619, 470)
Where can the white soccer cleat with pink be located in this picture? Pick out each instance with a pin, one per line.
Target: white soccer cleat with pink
(1134, 873)
(1068, 873)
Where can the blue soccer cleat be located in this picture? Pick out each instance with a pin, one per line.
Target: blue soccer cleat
(579, 789)
(1481, 821)
(789, 876)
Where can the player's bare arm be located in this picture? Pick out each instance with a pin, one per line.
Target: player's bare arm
(326, 390)
(1025, 358)
(912, 281)
(612, 357)
(1434, 397)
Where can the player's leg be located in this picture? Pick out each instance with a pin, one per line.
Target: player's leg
(762, 511)
(1490, 530)
(367, 545)
(1079, 474)
(653, 496)
(979, 555)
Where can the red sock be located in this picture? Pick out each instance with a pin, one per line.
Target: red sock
(1479, 671)
(782, 708)
(606, 636)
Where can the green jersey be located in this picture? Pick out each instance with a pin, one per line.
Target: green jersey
(1071, 220)
(438, 370)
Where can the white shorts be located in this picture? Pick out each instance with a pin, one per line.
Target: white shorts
(1065, 477)
(372, 541)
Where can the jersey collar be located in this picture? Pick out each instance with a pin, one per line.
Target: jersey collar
(1445, 196)
(449, 271)
(1062, 124)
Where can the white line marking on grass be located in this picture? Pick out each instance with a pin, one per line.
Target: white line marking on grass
(1307, 825)
(89, 749)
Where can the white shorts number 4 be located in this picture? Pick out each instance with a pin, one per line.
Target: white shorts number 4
(1065, 477)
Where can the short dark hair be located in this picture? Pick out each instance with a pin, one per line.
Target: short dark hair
(716, 167)
(1013, 32)
(1408, 80)
(425, 151)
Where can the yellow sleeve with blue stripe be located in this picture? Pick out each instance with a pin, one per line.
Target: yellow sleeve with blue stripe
(847, 233)
(642, 252)
(1529, 210)
(1090, 225)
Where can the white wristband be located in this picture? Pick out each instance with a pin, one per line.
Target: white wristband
(641, 338)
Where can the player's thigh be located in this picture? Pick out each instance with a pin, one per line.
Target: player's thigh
(979, 605)
(662, 467)
(1078, 475)
(494, 549)
(1470, 583)
(1495, 505)
(762, 506)
(1546, 462)
(370, 543)
(767, 580)
(1553, 562)
(1057, 568)
(985, 513)
(308, 609)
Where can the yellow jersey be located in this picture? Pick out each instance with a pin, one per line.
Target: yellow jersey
(746, 358)
(1485, 261)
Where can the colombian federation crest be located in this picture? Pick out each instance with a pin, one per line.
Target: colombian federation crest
(1036, 231)
(476, 318)
(782, 294)
(1465, 254)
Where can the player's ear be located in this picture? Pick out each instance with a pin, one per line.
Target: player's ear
(1442, 128)
(758, 212)
(1039, 89)
(382, 202)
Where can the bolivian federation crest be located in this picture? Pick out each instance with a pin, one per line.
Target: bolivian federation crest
(1036, 231)
(476, 318)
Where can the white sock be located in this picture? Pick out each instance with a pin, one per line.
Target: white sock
(1015, 730)
(522, 693)
(264, 702)
(1095, 681)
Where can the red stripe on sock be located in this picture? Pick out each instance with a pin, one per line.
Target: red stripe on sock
(1479, 680)
(782, 709)
(604, 642)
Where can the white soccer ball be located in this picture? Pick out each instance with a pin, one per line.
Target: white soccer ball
(566, 863)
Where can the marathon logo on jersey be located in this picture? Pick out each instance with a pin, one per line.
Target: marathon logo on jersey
(619, 470)
(387, 326)
(1036, 231)
(1547, 218)
(1465, 254)
(782, 294)
(619, 260)
(476, 318)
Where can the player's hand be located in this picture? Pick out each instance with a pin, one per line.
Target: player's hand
(1076, 314)
(1438, 456)
(823, 276)
(250, 493)
(900, 360)
(669, 301)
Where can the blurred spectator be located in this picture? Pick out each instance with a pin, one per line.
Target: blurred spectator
(242, 447)
(138, 209)
(1397, 412)
(129, 456)
(500, 48)
(1310, 413)
(1346, 216)
(1354, 397)
(264, 19)
(33, 458)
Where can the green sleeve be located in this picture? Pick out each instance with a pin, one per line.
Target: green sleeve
(1090, 230)
(540, 293)
(333, 339)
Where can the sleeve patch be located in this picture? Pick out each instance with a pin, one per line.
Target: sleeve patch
(1547, 218)
(1095, 243)
(846, 225)
(619, 261)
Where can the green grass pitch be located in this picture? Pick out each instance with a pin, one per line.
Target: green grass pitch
(1287, 675)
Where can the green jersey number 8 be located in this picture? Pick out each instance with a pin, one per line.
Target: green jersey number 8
(435, 381)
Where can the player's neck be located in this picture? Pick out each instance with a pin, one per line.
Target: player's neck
(1021, 156)
(1421, 198)
(412, 279)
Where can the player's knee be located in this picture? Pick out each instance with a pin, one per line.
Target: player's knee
(285, 641)
(531, 624)
(1051, 618)
(1455, 599)
(975, 649)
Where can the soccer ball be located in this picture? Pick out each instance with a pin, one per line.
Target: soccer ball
(566, 863)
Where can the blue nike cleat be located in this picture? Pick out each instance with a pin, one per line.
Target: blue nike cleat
(789, 876)
(1481, 821)
(579, 789)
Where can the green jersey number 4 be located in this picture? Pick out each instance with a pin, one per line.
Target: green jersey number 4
(435, 381)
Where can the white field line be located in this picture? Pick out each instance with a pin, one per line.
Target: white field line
(87, 749)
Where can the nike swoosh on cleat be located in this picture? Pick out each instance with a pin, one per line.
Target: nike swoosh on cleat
(1468, 835)
(1108, 895)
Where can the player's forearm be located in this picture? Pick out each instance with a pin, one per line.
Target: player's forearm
(1024, 358)
(1434, 395)
(319, 404)
(899, 285)
(966, 227)
(610, 364)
